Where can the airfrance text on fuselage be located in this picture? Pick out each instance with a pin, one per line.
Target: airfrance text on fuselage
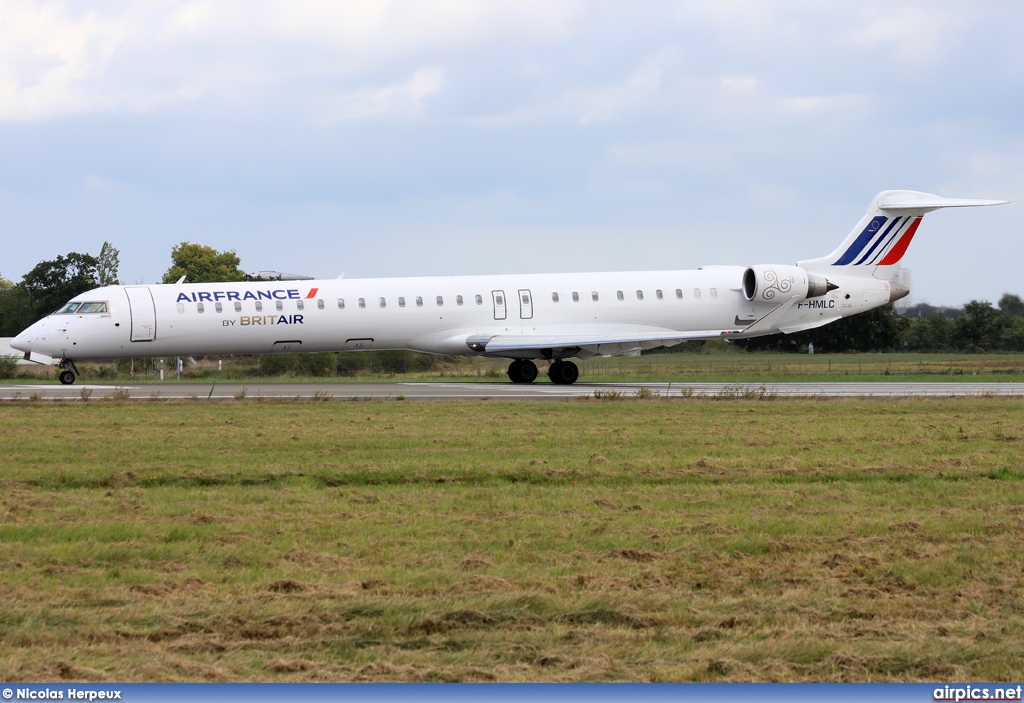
(214, 296)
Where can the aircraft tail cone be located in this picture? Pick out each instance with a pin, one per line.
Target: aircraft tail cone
(897, 291)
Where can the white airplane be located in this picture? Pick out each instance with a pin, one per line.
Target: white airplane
(554, 317)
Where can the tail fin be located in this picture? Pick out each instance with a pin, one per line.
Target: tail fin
(880, 239)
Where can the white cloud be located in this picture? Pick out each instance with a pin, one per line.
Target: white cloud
(917, 34)
(820, 105)
(57, 58)
(399, 101)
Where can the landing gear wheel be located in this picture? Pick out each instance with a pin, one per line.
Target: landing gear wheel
(522, 371)
(564, 373)
(67, 377)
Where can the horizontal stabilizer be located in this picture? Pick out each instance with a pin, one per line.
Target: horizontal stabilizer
(927, 201)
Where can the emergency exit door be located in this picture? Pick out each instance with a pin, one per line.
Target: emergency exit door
(498, 296)
(525, 305)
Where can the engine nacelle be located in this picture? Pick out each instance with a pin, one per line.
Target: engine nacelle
(768, 283)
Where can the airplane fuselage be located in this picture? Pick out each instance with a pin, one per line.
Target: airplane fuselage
(434, 315)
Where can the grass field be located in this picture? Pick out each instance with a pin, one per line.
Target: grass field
(647, 540)
(724, 364)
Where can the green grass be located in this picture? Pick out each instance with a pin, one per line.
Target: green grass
(723, 364)
(653, 540)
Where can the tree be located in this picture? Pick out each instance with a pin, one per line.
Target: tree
(203, 264)
(52, 283)
(980, 327)
(1012, 305)
(106, 269)
(934, 333)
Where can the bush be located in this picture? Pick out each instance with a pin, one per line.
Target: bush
(8, 366)
(320, 364)
(350, 363)
(393, 361)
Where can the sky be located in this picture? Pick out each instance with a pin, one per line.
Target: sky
(447, 137)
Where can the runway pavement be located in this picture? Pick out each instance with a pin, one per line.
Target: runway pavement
(495, 391)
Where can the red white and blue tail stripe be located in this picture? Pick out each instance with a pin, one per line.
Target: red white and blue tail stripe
(882, 243)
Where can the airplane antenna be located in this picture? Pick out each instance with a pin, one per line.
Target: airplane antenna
(342, 274)
(180, 281)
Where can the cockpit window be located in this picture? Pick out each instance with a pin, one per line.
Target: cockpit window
(81, 308)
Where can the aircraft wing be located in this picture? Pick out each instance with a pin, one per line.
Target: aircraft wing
(587, 345)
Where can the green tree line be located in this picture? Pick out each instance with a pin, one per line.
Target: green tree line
(976, 327)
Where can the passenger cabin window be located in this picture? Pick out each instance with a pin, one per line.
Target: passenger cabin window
(383, 303)
(479, 299)
(238, 306)
(554, 297)
(341, 304)
(458, 300)
(440, 301)
(199, 307)
(299, 304)
(679, 293)
(419, 301)
(696, 293)
(594, 296)
(401, 302)
(575, 297)
(619, 295)
(218, 307)
(714, 292)
(279, 305)
(320, 304)
(362, 302)
(639, 295)
(526, 299)
(181, 308)
(658, 295)
(259, 306)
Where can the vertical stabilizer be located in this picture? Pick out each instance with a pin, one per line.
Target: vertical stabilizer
(879, 241)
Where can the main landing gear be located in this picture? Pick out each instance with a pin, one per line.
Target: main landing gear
(522, 371)
(69, 372)
(562, 372)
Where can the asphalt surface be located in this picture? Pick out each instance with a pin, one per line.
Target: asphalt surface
(495, 391)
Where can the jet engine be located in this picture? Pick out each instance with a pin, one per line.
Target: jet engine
(767, 283)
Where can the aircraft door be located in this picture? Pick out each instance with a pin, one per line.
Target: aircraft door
(143, 313)
(499, 304)
(525, 305)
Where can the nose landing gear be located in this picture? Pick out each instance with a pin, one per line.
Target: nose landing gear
(68, 373)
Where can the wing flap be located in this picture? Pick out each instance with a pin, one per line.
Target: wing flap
(615, 343)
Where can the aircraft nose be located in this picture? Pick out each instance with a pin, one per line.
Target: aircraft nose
(22, 342)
